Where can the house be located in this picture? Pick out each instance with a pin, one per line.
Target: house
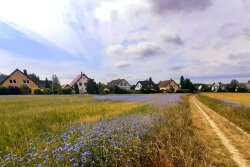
(42, 84)
(18, 78)
(80, 81)
(66, 86)
(245, 86)
(147, 85)
(121, 83)
(217, 87)
(166, 85)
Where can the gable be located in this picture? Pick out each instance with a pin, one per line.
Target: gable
(18, 78)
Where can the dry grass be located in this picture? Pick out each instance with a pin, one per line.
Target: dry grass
(215, 150)
(173, 141)
(243, 98)
(240, 140)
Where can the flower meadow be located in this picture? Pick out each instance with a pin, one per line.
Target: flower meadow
(81, 131)
(110, 142)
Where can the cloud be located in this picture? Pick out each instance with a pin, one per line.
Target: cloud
(174, 40)
(140, 50)
(172, 6)
(239, 56)
(122, 64)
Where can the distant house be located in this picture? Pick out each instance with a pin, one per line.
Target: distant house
(80, 80)
(147, 85)
(17, 78)
(42, 84)
(244, 86)
(121, 83)
(66, 86)
(216, 87)
(166, 85)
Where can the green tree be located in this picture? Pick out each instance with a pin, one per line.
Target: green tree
(47, 85)
(76, 88)
(232, 86)
(34, 77)
(182, 82)
(171, 89)
(91, 87)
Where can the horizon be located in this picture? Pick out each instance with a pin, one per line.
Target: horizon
(201, 40)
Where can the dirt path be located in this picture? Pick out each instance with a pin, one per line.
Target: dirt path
(231, 136)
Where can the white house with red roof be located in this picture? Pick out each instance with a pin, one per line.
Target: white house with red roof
(80, 80)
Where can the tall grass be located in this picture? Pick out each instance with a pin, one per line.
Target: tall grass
(172, 141)
(239, 115)
(30, 116)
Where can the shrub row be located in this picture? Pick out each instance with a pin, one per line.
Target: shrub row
(62, 91)
(14, 90)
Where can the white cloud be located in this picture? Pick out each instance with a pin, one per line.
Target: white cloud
(122, 64)
(140, 50)
(46, 20)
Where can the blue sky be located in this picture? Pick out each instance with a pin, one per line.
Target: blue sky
(206, 40)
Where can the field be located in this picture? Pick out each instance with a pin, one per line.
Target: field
(236, 110)
(83, 131)
(237, 98)
(126, 130)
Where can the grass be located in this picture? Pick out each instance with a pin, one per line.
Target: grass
(243, 98)
(80, 131)
(30, 117)
(239, 115)
(172, 140)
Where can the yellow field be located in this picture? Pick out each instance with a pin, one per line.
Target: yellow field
(243, 98)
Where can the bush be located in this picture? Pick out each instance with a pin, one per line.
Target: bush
(117, 90)
(242, 90)
(47, 91)
(38, 91)
(65, 91)
(14, 90)
(24, 90)
(4, 90)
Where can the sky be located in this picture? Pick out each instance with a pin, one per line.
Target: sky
(205, 40)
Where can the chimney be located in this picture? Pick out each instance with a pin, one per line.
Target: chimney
(25, 72)
(81, 73)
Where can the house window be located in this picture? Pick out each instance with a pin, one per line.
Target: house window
(26, 81)
(80, 84)
(11, 81)
(121, 84)
(14, 81)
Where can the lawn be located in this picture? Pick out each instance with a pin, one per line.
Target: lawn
(243, 98)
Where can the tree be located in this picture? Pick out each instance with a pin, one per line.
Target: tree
(171, 89)
(34, 77)
(182, 82)
(91, 87)
(249, 81)
(232, 86)
(47, 85)
(76, 88)
(187, 84)
(55, 81)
